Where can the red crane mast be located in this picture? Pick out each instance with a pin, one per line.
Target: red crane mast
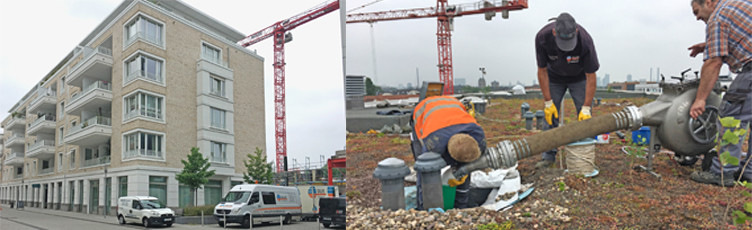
(279, 31)
(445, 14)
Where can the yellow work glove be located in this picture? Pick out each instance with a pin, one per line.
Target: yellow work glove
(454, 182)
(550, 110)
(584, 113)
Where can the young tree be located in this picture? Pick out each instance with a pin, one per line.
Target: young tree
(195, 172)
(258, 170)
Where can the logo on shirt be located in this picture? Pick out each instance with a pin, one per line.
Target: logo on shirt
(553, 57)
(573, 59)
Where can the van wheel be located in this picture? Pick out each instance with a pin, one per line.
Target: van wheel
(247, 221)
(221, 223)
(168, 225)
(288, 219)
(145, 221)
(327, 225)
(121, 220)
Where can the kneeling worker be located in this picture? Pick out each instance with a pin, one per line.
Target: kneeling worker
(442, 125)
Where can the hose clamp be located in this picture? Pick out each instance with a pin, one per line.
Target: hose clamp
(635, 115)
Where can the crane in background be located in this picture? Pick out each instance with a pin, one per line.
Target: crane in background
(445, 14)
(280, 32)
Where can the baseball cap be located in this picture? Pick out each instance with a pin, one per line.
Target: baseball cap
(566, 32)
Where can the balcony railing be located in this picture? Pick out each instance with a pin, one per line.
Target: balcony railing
(143, 153)
(41, 119)
(15, 136)
(215, 61)
(96, 120)
(42, 143)
(18, 176)
(43, 93)
(145, 75)
(218, 159)
(142, 35)
(14, 155)
(145, 112)
(46, 170)
(87, 88)
(97, 161)
(89, 52)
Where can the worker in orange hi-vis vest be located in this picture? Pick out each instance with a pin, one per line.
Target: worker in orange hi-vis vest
(442, 125)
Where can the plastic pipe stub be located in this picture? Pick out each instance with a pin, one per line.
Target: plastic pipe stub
(539, 113)
(391, 168)
(529, 114)
(428, 162)
(525, 105)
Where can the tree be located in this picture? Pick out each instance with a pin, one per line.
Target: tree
(371, 89)
(195, 172)
(258, 170)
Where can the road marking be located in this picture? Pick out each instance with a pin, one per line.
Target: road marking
(22, 223)
(71, 217)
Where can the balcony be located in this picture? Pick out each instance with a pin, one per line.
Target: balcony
(97, 161)
(96, 64)
(17, 121)
(144, 153)
(93, 96)
(45, 101)
(14, 159)
(18, 176)
(42, 149)
(15, 139)
(43, 124)
(92, 131)
(46, 170)
(146, 75)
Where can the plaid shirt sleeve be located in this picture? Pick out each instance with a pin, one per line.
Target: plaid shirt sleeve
(716, 40)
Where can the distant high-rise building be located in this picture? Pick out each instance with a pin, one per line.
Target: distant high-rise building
(606, 80)
(598, 82)
(409, 85)
(495, 84)
(482, 82)
(400, 86)
(629, 77)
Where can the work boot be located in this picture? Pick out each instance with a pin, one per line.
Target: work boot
(712, 178)
(543, 164)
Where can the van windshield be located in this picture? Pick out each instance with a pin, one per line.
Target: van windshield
(151, 204)
(235, 197)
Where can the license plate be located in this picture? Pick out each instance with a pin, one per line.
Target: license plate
(221, 219)
(327, 218)
(167, 219)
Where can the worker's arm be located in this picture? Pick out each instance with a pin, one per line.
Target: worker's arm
(589, 88)
(708, 76)
(696, 49)
(543, 81)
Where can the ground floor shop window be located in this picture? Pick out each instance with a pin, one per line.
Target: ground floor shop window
(158, 188)
(213, 192)
(186, 196)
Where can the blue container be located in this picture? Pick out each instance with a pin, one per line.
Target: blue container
(641, 136)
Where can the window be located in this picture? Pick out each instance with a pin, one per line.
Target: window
(143, 104)
(62, 109)
(59, 161)
(122, 186)
(213, 192)
(268, 198)
(73, 159)
(61, 137)
(19, 170)
(141, 144)
(143, 28)
(158, 188)
(145, 67)
(211, 53)
(217, 86)
(233, 183)
(218, 118)
(136, 205)
(218, 152)
(185, 196)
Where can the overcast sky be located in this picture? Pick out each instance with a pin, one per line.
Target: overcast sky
(36, 35)
(630, 37)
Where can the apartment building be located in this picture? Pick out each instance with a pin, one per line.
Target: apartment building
(117, 115)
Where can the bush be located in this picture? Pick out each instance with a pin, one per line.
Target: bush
(496, 226)
(196, 210)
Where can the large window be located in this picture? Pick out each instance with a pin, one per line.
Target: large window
(145, 67)
(217, 86)
(72, 159)
(218, 118)
(213, 192)
(142, 144)
(143, 104)
(268, 198)
(122, 186)
(144, 28)
(158, 188)
(60, 162)
(218, 152)
(185, 196)
(61, 137)
(211, 53)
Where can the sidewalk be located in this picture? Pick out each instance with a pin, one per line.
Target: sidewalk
(72, 215)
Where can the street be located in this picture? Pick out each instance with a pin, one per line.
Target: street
(39, 219)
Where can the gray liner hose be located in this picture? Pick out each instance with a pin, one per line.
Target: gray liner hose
(507, 153)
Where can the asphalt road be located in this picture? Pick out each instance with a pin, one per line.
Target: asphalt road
(39, 219)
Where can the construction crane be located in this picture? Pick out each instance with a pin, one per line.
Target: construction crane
(280, 32)
(445, 14)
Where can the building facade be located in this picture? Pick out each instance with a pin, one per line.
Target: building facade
(119, 113)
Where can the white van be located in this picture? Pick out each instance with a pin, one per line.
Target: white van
(248, 204)
(146, 210)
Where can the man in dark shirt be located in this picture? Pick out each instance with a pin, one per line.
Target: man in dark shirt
(566, 60)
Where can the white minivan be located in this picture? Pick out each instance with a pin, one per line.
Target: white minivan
(146, 210)
(248, 204)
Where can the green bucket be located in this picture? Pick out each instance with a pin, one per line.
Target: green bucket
(449, 193)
